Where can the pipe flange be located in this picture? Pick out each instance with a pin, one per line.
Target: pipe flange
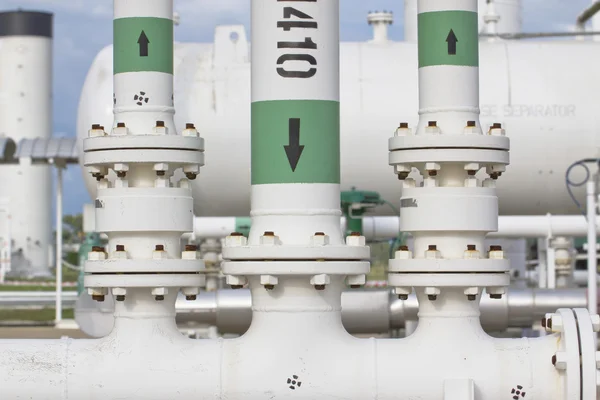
(415, 142)
(136, 266)
(296, 268)
(452, 155)
(461, 280)
(588, 352)
(109, 157)
(442, 265)
(287, 252)
(150, 280)
(567, 357)
(144, 142)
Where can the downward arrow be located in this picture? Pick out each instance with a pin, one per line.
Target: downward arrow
(451, 40)
(294, 150)
(143, 42)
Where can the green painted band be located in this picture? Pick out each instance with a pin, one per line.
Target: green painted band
(242, 225)
(275, 149)
(143, 44)
(448, 38)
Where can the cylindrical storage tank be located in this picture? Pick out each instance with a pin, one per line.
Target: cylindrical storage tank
(550, 116)
(26, 113)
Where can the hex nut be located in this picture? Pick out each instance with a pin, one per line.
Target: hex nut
(236, 240)
(354, 240)
(320, 280)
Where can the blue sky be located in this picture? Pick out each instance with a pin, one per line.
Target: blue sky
(83, 27)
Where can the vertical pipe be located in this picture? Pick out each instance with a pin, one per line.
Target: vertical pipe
(295, 120)
(410, 21)
(143, 64)
(551, 263)
(591, 251)
(448, 47)
(59, 243)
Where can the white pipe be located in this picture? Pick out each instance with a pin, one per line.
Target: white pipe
(550, 265)
(59, 243)
(591, 250)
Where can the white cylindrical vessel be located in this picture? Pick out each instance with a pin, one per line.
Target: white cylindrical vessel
(550, 111)
(26, 113)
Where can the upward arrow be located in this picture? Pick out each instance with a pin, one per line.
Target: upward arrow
(143, 42)
(451, 40)
(294, 150)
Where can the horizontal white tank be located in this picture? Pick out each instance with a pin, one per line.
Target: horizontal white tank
(544, 93)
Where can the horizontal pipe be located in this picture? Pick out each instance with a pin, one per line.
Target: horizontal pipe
(378, 311)
(388, 227)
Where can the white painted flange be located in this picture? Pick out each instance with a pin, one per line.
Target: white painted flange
(286, 252)
(403, 280)
(426, 265)
(588, 353)
(140, 142)
(568, 346)
(458, 155)
(170, 156)
(449, 141)
(242, 268)
(124, 266)
(144, 280)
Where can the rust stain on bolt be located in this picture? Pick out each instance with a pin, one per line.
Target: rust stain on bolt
(120, 297)
(269, 287)
(319, 233)
(554, 359)
(237, 286)
(403, 296)
(549, 323)
(402, 176)
(269, 233)
(159, 247)
(121, 174)
(471, 297)
(190, 247)
(497, 125)
(355, 286)
(471, 172)
(120, 247)
(160, 173)
(99, 298)
(191, 297)
(403, 124)
(190, 175)
(98, 249)
(432, 172)
(320, 287)
(432, 297)
(470, 123)
(355, 234)
(432, 247)
(159, 298)
(120, 124)
(496, 248)
(495, 296)
(189, 126)
(95, 126)
(494, 175)
(403, 248)
(160, 124)
(471, 247)
(432, 124)
(236, 234)
(543, 322)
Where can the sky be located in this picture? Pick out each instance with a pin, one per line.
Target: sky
(83, 27)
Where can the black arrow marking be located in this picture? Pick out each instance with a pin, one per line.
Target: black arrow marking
(451, 40)
(294, 150)
(143, 42)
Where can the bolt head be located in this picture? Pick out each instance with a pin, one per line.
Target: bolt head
(160, 291)
(356, 241)
(595, 318)
(320, 280)
(189, 255)
(190, 291)
(319, 240)
(119, 291)
(236, 280)
(560, 360)
(269, 280)
(356, 281)
(403, 255)
(190, 131)
(236, 241)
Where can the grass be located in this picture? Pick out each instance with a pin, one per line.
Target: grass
(37, 315)
(34, 288)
